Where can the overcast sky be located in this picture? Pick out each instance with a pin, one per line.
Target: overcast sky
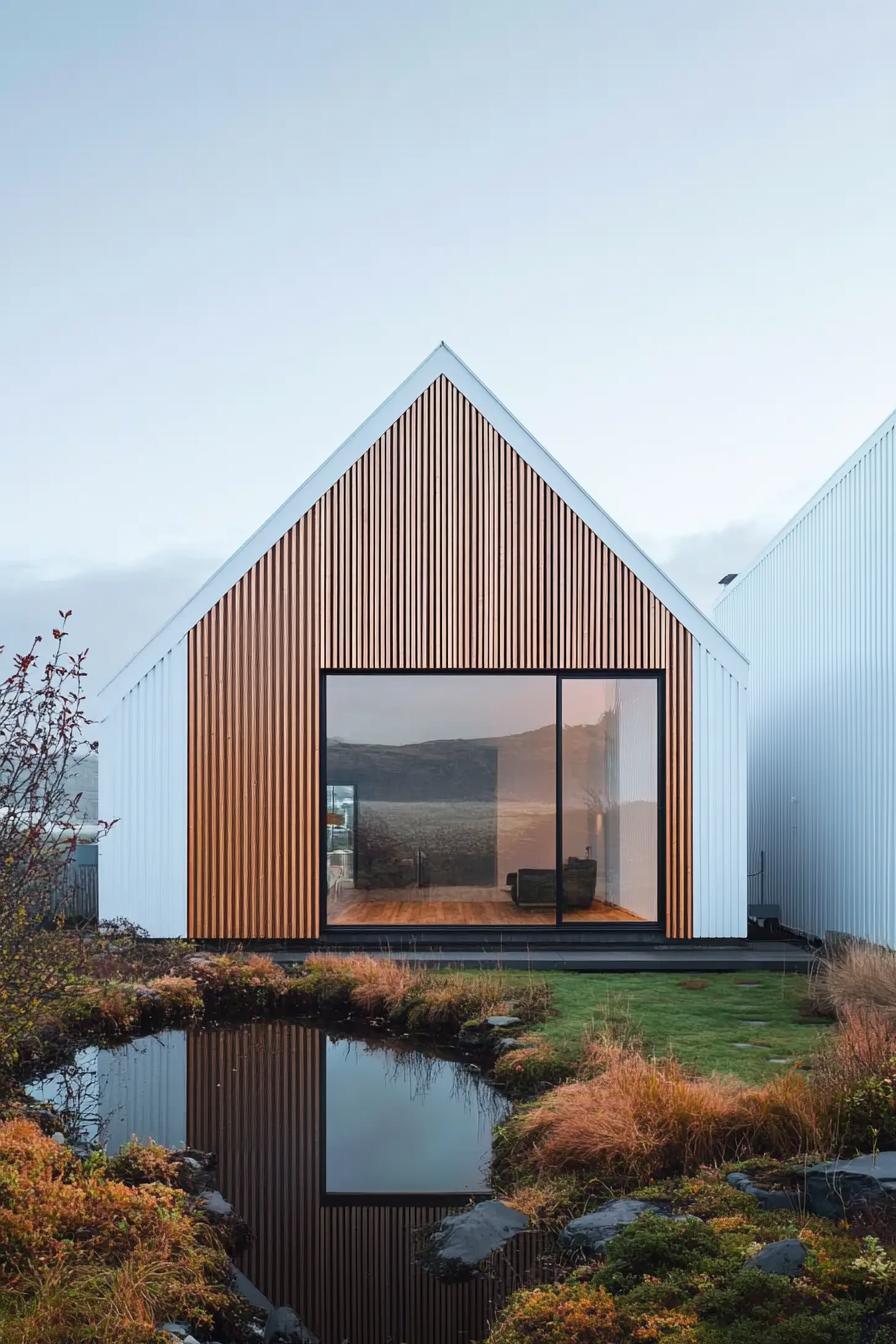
(661, 233)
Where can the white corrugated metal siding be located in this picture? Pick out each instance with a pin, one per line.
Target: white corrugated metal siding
(816, 615)
(720, 800)
(143, 785)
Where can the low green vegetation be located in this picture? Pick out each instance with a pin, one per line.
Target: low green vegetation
(693, 1282)
(703, 1021)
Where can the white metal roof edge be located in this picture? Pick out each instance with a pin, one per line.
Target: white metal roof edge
(442, 360)
(864, 448)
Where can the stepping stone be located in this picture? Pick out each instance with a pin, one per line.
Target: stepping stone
(754, 1022)
(780, 1061)
(743, 1045)
(748, 984)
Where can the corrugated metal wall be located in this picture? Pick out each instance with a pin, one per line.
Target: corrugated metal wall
(143, 787)
(720, 800)
(816, 616)
(439, 548)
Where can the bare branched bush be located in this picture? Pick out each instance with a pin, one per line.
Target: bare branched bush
(43, 730)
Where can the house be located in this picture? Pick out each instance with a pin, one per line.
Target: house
(438, 689)
(816, 614)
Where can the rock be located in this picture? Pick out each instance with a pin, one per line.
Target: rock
(781, 1257)
(454, 1248)
(592, 1231)
(474, 1035)
(248, 1291)
(511, 1043)
(285, 1327)
(233, 1229)
(836, 1189)
(178, 1330)
(215, 1205)
(479, 1035)
(769, 1200)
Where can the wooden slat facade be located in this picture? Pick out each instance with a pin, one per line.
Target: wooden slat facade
(440, 548)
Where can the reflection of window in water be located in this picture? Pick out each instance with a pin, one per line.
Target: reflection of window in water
(398, 1122)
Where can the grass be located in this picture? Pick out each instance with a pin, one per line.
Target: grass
(697, 1020)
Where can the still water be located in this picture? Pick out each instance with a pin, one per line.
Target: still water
(336, 1150)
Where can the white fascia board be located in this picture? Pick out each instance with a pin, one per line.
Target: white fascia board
(442, 361)
(872, 442)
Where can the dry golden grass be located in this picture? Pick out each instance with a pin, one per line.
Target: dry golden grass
(863, 1046)
(378, 987)
(856, 976)
(422, 1000)
(637, 1119)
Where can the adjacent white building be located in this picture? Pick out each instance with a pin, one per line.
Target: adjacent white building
(816, 615)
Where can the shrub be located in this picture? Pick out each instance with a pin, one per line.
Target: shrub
(658, 1246)
(564, 1313)
(232, 983)
(145, 1164)
(178, 997)
(88, 1260)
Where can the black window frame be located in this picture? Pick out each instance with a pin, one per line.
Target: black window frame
(560, 674)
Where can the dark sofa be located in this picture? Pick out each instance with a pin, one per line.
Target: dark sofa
(532, 888)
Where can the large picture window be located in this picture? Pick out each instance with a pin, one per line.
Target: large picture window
(486, 799)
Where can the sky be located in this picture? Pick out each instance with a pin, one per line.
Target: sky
(661, 233)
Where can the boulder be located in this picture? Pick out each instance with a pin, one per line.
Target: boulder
(454, 1248)
(837, 1189)
(507, 1043)
(249, 1292)
(590, 1233)
(770, 1200)
(178, 1330)
(220, 1212)
(781, 1257)
(215, 1205)
(500, 1022)
(285, 1327)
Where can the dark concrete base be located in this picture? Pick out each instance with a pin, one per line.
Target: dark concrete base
(744, 955)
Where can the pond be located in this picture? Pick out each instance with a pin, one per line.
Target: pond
(336, 1149)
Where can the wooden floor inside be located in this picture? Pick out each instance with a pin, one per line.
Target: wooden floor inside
(362, 910)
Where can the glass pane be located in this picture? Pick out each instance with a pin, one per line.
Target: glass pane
(610, 805)
(451, 788)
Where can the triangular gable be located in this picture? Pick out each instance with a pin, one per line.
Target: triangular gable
(442, 361)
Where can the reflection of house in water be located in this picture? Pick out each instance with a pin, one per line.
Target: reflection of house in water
(258, 1097)
(255, 1097)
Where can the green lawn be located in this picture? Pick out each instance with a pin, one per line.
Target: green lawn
(699, 1026)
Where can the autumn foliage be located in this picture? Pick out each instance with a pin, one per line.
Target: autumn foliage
(88, 1259)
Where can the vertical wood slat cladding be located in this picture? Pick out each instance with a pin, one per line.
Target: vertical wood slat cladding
(439, 548)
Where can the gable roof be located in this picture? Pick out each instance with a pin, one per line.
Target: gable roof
(442, 361)
(883, 439)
